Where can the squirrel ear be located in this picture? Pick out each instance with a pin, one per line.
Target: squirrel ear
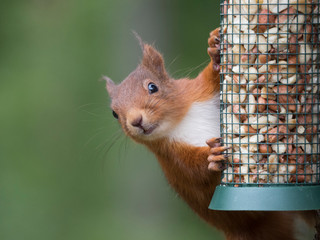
(110, 85)
(153, 60)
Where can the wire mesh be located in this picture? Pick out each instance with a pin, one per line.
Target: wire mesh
(270, 113)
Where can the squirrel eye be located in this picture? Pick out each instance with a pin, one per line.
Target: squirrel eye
(152, 88)
(115, 114)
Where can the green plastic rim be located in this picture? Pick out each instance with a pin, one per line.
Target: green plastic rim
(295, 198)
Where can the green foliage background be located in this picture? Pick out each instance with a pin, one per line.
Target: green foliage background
(66, 169)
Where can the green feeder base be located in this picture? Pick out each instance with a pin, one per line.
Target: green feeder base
(295, 198)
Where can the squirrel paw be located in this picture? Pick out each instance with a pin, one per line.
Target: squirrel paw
(214, 48)
(216, 158)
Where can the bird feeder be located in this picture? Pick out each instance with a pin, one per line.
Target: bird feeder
(270, 106)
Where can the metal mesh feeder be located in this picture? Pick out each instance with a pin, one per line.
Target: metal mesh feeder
(270, 111)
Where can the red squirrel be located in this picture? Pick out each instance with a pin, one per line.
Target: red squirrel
(174, 119)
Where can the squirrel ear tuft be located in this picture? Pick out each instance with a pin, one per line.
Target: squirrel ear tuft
(110, 85)
(153, 61)
(139, 39)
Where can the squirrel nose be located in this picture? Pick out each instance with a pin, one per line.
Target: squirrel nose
(137, 122)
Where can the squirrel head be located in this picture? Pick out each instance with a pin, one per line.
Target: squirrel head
(146, 102)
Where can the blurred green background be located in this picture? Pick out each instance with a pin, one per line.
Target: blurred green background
(66, 169)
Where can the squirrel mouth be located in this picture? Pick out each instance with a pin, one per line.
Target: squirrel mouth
(149, 130)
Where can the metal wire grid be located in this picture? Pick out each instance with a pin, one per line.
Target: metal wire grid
(287, 151)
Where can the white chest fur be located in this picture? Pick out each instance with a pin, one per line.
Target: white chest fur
(201, 123)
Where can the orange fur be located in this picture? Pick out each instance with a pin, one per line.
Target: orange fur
(186, 166)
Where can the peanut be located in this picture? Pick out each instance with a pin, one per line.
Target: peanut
(264, 148)
(265, 17)
(261, 104)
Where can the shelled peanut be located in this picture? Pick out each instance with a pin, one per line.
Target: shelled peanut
(270, 90)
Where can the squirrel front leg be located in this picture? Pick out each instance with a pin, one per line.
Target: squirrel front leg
(212, 72)
(214, 49)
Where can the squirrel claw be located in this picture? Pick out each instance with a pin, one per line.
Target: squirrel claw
(217, 166)
(212, 141)
(218, 150)
(214, 37)
(216, 156)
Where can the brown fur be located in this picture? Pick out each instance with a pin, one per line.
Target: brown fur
(186, 166)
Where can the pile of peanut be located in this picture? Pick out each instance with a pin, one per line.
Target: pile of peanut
(270, 91)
